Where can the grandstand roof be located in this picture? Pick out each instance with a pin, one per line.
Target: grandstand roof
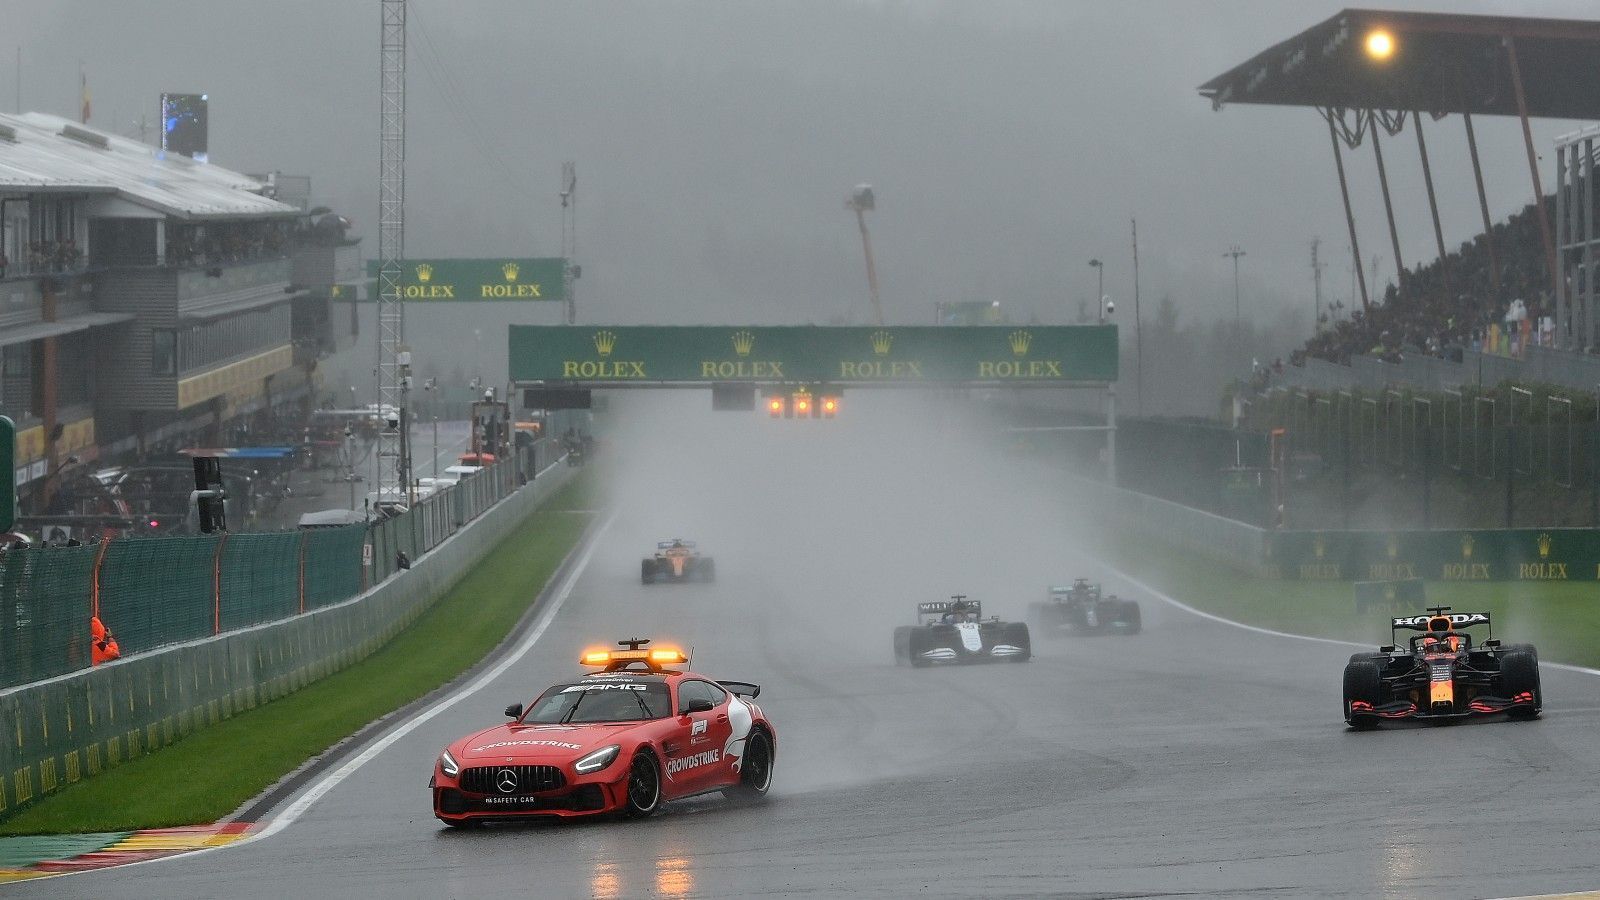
(1442, 63)
(40, 153)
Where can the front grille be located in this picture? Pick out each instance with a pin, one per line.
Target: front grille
(529, 779)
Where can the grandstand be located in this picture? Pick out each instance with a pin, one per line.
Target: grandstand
(1372, 73)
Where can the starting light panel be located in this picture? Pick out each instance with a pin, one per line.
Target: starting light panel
(805, 402)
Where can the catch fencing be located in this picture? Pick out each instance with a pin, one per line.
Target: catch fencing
(66, 728)
(1536, 433)
(152, 592)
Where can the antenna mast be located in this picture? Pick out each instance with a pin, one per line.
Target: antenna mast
(394, 360)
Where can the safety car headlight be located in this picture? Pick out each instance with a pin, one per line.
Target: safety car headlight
(449, 765)
(597, 760)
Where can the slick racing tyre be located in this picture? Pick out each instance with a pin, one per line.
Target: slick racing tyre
(1363, 682)
(1519, 672)
(647, 571)
(706, 570)
(755, 769)
(644, 786)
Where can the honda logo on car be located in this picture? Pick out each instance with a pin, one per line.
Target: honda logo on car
(693, 762)
(1455, 619)
(562, 744)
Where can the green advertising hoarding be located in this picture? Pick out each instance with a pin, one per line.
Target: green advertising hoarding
(620, 355)
(1519, 554)
(494, 278)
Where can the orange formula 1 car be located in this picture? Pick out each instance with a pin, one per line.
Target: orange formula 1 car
(677, 560)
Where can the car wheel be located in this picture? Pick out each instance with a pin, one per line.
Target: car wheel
(1363, 682)
(644, 786)
(647, 571)
(1131, 612)
(1519, 673)
(1016, 634)
(708, 571)
(917, 643)
(755, 768)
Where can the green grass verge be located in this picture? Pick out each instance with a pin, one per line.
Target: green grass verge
(1561, 618)
(214, 771)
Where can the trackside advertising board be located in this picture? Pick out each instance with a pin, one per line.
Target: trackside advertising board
(459, 280)
(1518, 554)
(620, 355)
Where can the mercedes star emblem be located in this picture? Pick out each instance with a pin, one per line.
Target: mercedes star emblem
(506, 779)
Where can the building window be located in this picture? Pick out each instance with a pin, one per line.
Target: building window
(16, 380)
(163, 352)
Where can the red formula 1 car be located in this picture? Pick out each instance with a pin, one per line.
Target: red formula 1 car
(625, 739)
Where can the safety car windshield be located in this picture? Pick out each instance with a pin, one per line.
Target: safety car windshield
(601, 701)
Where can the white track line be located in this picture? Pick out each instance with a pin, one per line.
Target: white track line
(1172, 601)
(319, 788)
(328, 782)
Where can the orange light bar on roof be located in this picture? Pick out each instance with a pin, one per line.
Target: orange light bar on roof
(595, 657)
(666, 656)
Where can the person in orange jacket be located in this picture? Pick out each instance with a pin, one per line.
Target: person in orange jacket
(104, 643)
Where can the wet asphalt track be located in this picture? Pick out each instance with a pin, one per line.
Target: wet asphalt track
(1196, 759)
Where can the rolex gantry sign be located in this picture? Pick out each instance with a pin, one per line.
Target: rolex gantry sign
(1036, 355)
(495, 278)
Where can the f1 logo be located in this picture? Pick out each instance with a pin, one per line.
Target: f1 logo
(699, 727)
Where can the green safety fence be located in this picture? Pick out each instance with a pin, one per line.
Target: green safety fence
(159, 590)
(45, 598)
(58, 730)
(259, 578)
(333, 564)
(156, 591)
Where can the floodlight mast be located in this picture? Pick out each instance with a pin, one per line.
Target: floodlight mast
(861, 200)
(393, 373)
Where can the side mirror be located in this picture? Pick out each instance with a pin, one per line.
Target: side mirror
(514, 711)
(700, 705)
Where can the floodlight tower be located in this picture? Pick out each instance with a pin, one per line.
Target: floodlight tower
(860, 201)
(569, 236)
(394, 361)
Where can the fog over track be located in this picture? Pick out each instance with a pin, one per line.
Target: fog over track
(1193, 759)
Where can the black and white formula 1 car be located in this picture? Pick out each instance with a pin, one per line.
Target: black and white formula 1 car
(1441, 674)
(1084, 608)
(954, 631)
(677, 560)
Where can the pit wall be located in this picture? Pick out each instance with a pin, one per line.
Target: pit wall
(55, 732)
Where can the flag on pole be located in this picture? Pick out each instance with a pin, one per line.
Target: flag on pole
(83, 79)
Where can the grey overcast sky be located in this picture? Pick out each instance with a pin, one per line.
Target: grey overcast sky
(1008, 142)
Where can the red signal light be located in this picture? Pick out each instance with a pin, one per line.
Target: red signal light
(830, 405)
(775, 407)
(802, 406)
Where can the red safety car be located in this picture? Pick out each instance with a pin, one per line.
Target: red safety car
(625, 739)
